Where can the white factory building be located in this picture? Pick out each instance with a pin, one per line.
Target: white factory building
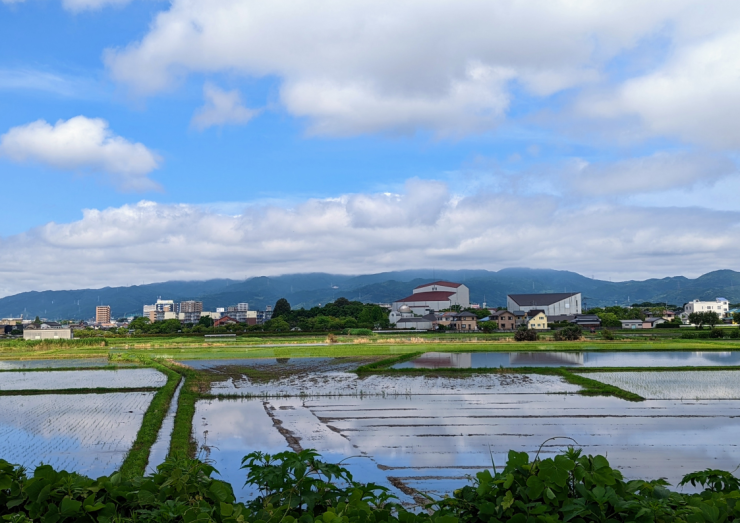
(555, 304)
(434, 297)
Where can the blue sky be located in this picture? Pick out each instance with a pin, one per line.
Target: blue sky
(243, 138)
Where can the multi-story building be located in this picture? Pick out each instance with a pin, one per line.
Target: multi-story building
(102, 314)
(555, 304)
(190, 311)
(721, 306)
(161, 306)
(434, 297)
(265, 315)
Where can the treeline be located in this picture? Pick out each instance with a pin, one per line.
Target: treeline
(339, 315)
(611, 316)
(300, 488)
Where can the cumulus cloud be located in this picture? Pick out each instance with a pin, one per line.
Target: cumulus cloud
(366, 66)
(221, 107)
(425, 225)
(83, 144)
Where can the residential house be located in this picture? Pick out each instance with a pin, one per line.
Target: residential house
(631, 324)
(587, 321)
(224, 320)
(536, 319)
(505, 320)
(464, 321)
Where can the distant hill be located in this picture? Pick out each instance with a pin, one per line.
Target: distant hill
(307, 290)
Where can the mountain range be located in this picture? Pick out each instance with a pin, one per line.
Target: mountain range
(307, 290)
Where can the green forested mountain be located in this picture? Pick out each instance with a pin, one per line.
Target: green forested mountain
(307, 290)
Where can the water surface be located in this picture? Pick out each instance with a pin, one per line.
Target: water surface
(473, 360)
(82, 379)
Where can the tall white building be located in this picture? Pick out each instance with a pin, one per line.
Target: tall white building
(434, 297)
(721, 306)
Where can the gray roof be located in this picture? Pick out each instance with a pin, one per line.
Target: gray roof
(412, 320)
(540, 300)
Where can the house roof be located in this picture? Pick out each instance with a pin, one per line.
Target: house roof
(540, 300)
(534, 312)
(631, 321)
(464, 314)
(426, 296)
(440, 282)
(499, 313)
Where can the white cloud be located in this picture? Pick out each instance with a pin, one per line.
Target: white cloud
(655, 173)
(83, 144)
(221, 107)
(424, 226)
(13, 1)
(694, 95)
(400, 65)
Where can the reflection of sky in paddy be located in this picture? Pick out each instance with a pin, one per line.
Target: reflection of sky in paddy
(85, 433)
(572, 359)
(90, 379)
(432, 441)
(51, 364)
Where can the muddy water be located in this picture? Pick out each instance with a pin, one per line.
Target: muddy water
(468, 360)
(431, 442)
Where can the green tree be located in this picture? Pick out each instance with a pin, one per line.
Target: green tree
(736, 317)
(609, 319)
(37, 321)
(278, 325)
(282, 308)
(205, 321)
(139, 323)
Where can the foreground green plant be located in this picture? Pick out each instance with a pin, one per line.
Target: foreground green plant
(299, 487)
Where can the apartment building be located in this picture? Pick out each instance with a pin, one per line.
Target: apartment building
(721, 306)
(190, 311)
(102, 314)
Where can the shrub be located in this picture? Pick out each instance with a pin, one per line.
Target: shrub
(735, 333)
(607, 334)
(300, 488)
(716, 333)
(569, 333)
(525, 334)
(358, 332)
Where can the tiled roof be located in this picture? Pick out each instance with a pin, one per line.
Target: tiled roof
(441, 282)
(540, 300)
(427, 296)
(534, 312)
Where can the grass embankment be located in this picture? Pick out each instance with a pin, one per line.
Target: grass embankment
(96, 390)
(138, 456)
(182, 442)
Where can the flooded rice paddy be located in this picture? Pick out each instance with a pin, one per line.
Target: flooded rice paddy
(52, 364)
(86, 433)
(82, 379)
(468, 360)
(675, 385)
(430, 443)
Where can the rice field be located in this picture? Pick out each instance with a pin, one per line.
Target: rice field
(430, 443)
(86, 433)
(82, 379)
(690, 385)
(350, 384)
(52, 364)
